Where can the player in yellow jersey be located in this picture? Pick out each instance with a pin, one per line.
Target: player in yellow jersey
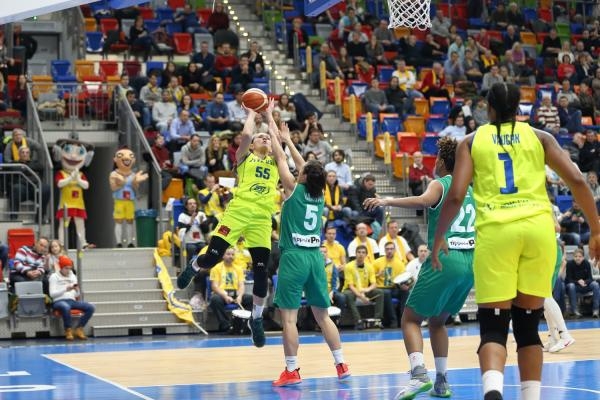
(248, 214)
(516, 247)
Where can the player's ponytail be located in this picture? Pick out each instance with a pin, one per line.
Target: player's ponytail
(504, 98)
(315, 178)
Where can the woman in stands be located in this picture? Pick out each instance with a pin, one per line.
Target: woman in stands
(516, 245)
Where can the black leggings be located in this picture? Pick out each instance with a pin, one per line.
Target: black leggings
(260, 258)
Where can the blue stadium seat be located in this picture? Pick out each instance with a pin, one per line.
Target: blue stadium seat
(429, 145)
(173, 27)
(164, 14)
(262, 86)
(362, 127)
(435, 124)
(152, 24)
(154, 65)
(357, 88)
(564, 202)
(94, 42)
(309, 28)
(477, 23)
(564, 139)
(392, 125)
(60, 68)
(530, 14)
(385, 73)
(441, 107)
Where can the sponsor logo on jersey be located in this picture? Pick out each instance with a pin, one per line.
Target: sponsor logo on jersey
(461, 243)
(260, 189)
(306, 240)
(224, 230)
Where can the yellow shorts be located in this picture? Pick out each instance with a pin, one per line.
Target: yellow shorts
(124, 209)
(517, 256)
(253, 223)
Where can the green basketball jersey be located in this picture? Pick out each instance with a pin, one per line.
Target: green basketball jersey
(301, 220)
(461, 234)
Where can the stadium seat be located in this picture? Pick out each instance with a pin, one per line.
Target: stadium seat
(132, 68)
(147, 13)
(357, 88)
(429, 145)
(391, 125)
(439, 105)
(429, 161)
(94, 42)
(109, 24)
(151, 24)
(408, 142)
(563, 202)
(436, 124)
(83, 68)
(528, 94)
(415, 123)
(154, 65)
(362, 127)
(183, 43)
(108, 68)
(421, 106)
(164, 14)
(172, 28)
(385, 73)
(264, 86)
(331, 90)
(175, 4)
(90, 25)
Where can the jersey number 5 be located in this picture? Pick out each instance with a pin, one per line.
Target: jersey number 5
(262, 173)
(311, 218)
(509, 175)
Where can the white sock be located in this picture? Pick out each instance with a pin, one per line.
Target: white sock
(416, 359)
(291, 363)
(553, 315)
(530, 390)
(492, 380)
(131, 233)
(257, 311)
(441, 365)
(125, 233)
(118, 233)
(338, 356)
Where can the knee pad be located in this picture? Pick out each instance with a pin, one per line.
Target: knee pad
(525, 326)
(260, 259)
(493, 326)
(214, 253)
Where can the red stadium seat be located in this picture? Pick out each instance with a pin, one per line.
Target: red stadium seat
(183, 43)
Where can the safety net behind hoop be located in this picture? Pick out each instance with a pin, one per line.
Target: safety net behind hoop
(410, 13)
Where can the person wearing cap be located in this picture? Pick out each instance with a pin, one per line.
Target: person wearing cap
(64, 291)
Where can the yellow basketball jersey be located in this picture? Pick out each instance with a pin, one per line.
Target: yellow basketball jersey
(508, 174)
(257, 182)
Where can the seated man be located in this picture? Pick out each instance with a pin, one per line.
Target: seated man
(403, 250)
(579, 280)
(180, 131)
(30, 264)
(360, 283)
(227, 283)
(362, 239)
(387, 267)
(64, 290)
(18, 140)
(192, 160)
(164, 112)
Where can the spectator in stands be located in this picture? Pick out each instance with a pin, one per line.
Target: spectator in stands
(570, 117)
(141, 112)
(191, 227)
(375, 52)
(296, 137)
(499, 18)
(457, 46)
(412, 52)
(120, 91)
(18, 140)
(431, 50)
(474, 46)
(566, 70)
(310, 122)
(385, 36)
(365, 188)
(567, 91)
(241, 76)
(458, 130)
(213, 199)
(361, 239)
(419, 176)
(181, 130)
(255, 60)
(480, 112)
(187, 104)
(287, 111)
(300, 33)
(402, 248)
(227, 283)
(164, 112)
(151, 93)
(234, 144)
(579, 280)
(335, 250)
(514, 16)
(510, 37)
(440, 28)
(471, 67)
(375, 100)
(217, 114)
(65, 293)
(193, 160)
(164, 158)
(360, 283)
(387, 267)
(346, 23)
(490, 78)
(175, 89)
(321, 148)
(335, 208)
(551, 45)
(565, 50)
(342, 170)
(453, 68)
(225, 61)
(30, 264)
(586, 101)
(574, 228)
(18, 97)
(488, 59)
(188, 20)
(3, 257)
(547, 115)
(25, 40)
(332, 69)
(191, 78)
(22, 190)
(332, 271)
(260, 126)
(140, 38)
(237, 113)
(589, 153)
(205, 61)
(398, 98)
(357, 49)
(167, 73)
(219, 19)
(434, 82)
(215, 155)
(594, 185)
(406, 80)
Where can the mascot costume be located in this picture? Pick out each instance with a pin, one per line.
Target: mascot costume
(73, 155)
(123, 183)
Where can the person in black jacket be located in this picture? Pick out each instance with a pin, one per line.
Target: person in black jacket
(363, 189)
(579, 280)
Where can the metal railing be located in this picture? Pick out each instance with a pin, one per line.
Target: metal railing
(34, 130)
(131, 135)
(23, 188)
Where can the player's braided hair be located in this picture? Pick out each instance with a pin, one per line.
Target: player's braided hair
(447, 152)
(504, 99)
(315, 178)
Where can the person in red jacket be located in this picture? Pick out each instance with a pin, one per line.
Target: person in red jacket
(434, 82)
(225, 61)
(219, 19)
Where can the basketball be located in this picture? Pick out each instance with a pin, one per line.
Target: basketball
(255, 99)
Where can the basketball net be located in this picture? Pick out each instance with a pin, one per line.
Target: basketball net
(410, 13)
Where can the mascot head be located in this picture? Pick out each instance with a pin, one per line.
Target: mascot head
(73, 154)
(124, 159)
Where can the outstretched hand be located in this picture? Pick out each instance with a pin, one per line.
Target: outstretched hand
(284, 132)
(373, 202)
(270, 107)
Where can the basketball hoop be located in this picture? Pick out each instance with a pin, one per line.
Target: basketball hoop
(410, 13)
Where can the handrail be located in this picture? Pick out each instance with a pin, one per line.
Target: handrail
(34, 129)
(27, 173)
(128, 125)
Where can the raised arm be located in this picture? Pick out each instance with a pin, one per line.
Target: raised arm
(431, 197)
(286, 177)
(247, 134)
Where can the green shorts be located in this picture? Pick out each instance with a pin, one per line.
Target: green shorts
(251, 222)
(442, 291)
(301, 270)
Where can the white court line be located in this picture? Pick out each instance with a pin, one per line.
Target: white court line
(452, 385)
(126, 389)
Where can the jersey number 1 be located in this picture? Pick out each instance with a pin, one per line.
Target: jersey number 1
(509, 175)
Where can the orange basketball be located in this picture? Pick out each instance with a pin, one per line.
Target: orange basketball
(255, 99)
